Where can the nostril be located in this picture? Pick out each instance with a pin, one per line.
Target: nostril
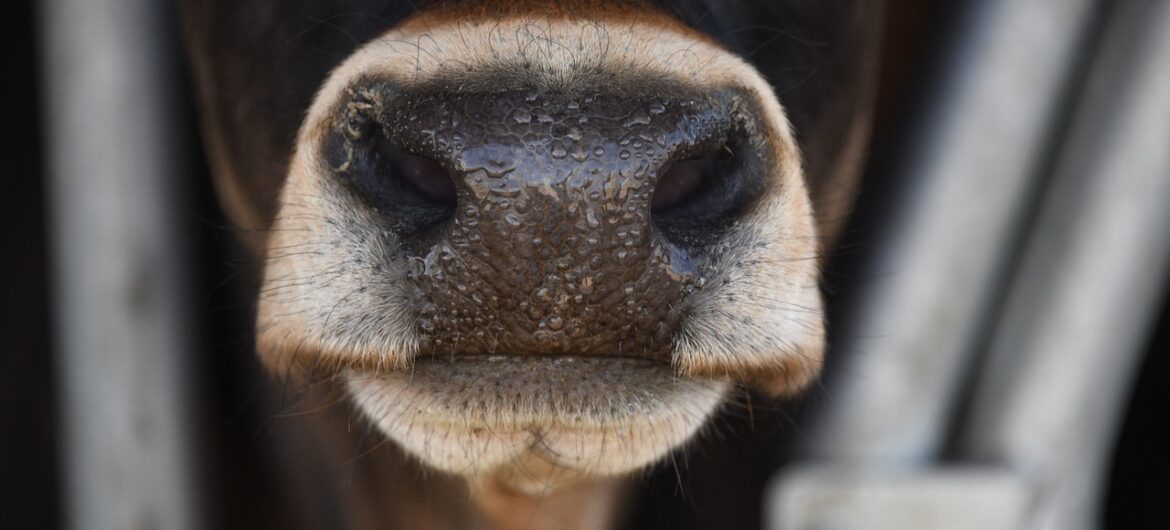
(696, 199)
(674, 186)
(427, 177)
(410, 192)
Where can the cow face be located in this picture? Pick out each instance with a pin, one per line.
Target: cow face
(537, 241)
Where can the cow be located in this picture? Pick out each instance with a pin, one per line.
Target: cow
(534, 246)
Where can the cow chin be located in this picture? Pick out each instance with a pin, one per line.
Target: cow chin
(535, 423)
(533, 322)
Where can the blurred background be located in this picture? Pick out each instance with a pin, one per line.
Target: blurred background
(999, 306)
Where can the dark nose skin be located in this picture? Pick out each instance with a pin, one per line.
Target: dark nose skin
(528, 221)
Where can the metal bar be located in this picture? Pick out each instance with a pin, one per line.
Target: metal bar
(822, 496)
(972, 163)
(118, 267)
(1087, 293)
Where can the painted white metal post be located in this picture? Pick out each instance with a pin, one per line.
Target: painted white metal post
(1092, 280)
(118, 265)
(1077, 302)
(972, 165)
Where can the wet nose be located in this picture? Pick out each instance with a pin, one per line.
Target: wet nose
(533, 223)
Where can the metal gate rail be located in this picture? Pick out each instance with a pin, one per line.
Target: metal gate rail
(119, 272)
(1077, 305)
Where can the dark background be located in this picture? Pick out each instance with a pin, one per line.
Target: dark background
(239, 490)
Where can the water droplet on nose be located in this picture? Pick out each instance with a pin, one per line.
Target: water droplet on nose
(558, 151)
(574, 133)
(579, 154)
(656, 108)
(586, 286)
(624, 155)
(637, 118)
(522, 116)
(507, 189)
(555, 323)
(598, 151)
(591, 219)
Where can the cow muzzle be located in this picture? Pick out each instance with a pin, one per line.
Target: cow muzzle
(536, 242)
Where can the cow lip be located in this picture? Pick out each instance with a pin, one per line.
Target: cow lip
(572, 378)
(437, 363)
(597, 416)
(510, 364)
(307, 361)
(641, 360)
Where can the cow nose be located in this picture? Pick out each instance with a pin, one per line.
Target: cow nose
(536, 223)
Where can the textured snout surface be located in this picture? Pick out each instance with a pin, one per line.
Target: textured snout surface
(471, 237)
(526, 217)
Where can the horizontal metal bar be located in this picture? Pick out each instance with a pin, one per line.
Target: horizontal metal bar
(825, 496)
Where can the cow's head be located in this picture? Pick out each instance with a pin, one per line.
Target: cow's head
(532, 241)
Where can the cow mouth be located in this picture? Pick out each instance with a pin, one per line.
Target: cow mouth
(589, 415)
